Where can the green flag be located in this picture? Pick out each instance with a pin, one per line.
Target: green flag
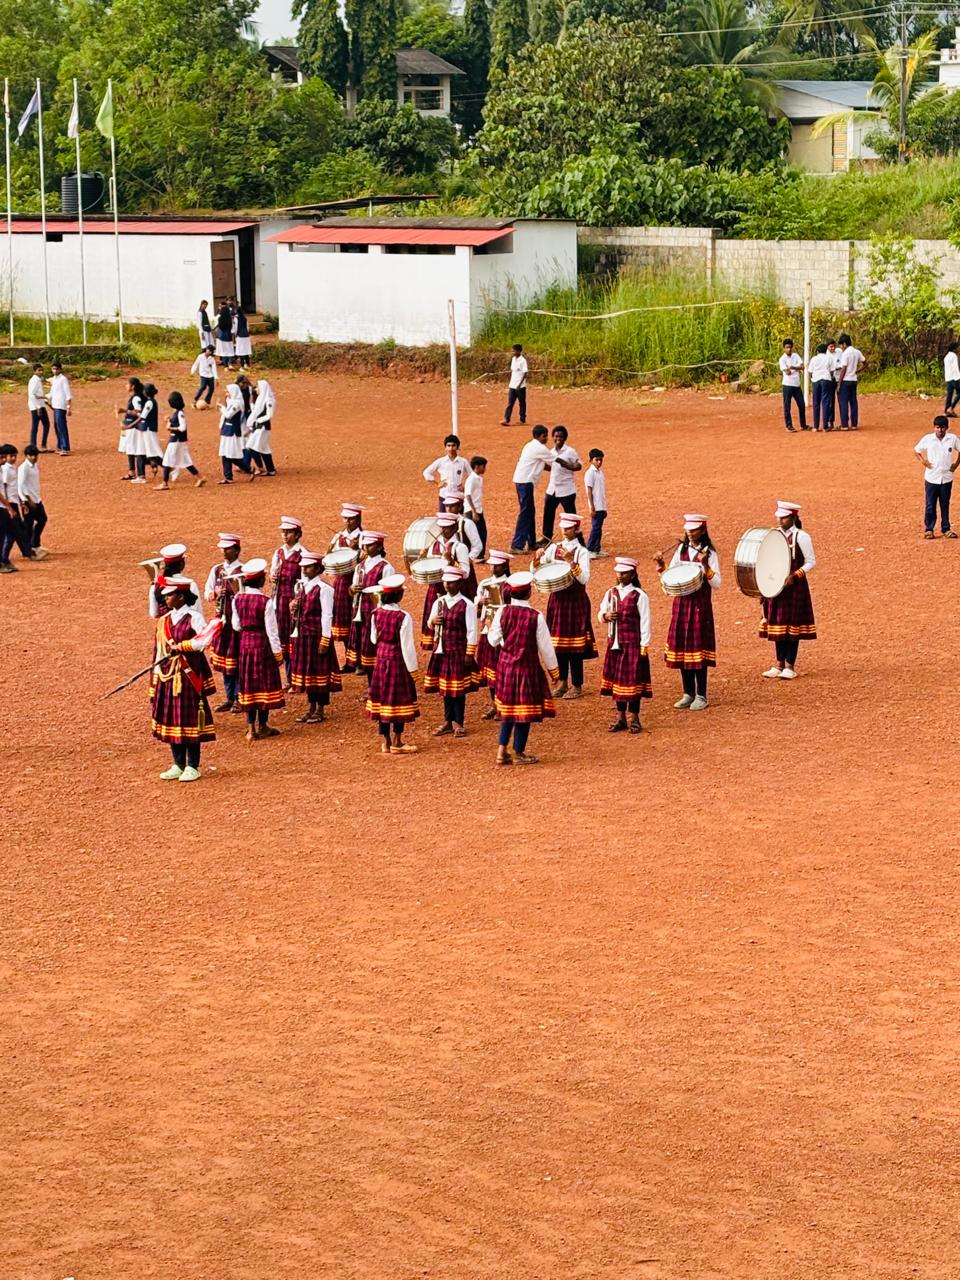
(104, 121)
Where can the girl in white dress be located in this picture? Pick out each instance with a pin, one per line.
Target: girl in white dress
(177, 454)
(260, 423)
(144, 435)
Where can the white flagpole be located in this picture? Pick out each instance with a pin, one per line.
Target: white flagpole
(116, 212)
(43, 214)
(6, 130)
(83, 287)
(452, 330)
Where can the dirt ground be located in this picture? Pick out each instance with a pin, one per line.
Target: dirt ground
(681, 1005)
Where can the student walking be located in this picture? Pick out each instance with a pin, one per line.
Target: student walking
(517, 388)
(595, 484)
(951, 379)
(177, 457)
(144, 435)
(790, 366)
(37, 404)
(32, 511)
(205, 367)
(848, 372)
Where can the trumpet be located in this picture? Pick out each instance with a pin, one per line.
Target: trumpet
(151, 566)
(356, 586)
(612, 605)
(438, 626)
(492, 601)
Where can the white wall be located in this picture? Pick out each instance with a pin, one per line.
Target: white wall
(371, 297)
(544, 254)
(268, 298)
(163, 277)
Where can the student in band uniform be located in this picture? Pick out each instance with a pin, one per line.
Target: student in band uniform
(788, 618)
(392, 697)
(691, 641)
(626, 666)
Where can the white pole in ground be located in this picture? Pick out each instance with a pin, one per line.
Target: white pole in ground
(6, 125)
(807, 303)
(83, 286)
(116, 235)
(452, 326)
(43, 216)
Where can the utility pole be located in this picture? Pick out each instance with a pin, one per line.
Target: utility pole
(902, 133)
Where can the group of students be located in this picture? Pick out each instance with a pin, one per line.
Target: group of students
(477, 635)
(246, 423)
(834, 375)
(229, 338)
(23, 516)
(57, 396)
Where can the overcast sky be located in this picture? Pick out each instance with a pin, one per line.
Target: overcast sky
(275, 21)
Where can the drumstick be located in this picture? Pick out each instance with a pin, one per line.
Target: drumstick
(662, 555)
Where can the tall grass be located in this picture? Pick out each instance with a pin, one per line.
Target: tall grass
(144, 343)
(908, 200)
(682, 343)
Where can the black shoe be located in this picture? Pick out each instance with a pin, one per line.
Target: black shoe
(790, 428)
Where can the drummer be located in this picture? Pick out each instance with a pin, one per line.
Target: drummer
(568, 610)
(788, 618)
(447, 547)
(487, 655)
(374, 565)
(626, 664)
(467, 531)
(691, 640)
(351, 513)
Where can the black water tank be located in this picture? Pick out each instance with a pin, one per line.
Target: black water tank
(93, 187)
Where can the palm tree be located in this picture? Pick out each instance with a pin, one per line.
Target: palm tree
(723, 33)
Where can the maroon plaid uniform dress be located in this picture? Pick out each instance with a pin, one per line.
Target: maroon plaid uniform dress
(179, 688)
(626, 669)
(226, 647)
(487, 655)
(522, 691)
(569, 623)
(258, 676)
(393, 695)
(342, 603)
(789, 616)
(360, 650)
(288, 574)
(691, 640)
(452, 672)
(313, 659)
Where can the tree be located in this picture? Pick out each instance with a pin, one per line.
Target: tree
(399, 138)
(728, 35)
(547, 22)
(511, 32)
(373, 47)
(580, 11)
(476, 33)
(903, 297)
(324, 47)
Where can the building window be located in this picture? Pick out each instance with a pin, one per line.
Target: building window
(54, 237)
(425, 93)
(434, 249)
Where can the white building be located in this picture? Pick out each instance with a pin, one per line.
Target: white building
(804, 102)
(424, 82)
(379, 279)
(949, 69)
(167, 264)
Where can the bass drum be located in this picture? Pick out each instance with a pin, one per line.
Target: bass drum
(419, 539)
(762, 563)
(682, 580)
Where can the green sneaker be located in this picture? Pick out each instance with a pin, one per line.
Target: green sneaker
(190, 774)
(171, 774)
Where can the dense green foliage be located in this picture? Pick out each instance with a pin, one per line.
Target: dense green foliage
(511, 32)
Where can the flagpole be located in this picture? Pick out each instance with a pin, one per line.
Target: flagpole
(116, 212)
(43, 213)
(6, 130)
(83, 287)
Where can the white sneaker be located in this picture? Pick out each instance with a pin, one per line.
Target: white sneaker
(171, 774)
(773, 673)
(699, 704)
(190, 774)
(684, 702)
(139, 480)
(788, 673)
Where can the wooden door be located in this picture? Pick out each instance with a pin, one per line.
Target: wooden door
(223, 261)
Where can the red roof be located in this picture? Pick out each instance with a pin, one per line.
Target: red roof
(147, 228)
(391, 235)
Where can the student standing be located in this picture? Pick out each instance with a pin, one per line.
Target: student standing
(224, 336)
(37, 404)
(451, 548)
(568, 611)
(349, 537)
(451, 670)
(788, 618)
(232, 452)
(534, 456)
(313, 659)
(492, 593)
(790, 366)
(517, 387)
(205, 367)
(242, 345)
(33, 512)
(392, 697)
(180, 686)
(61, 402)
(527, 659)
(473, 501)
(595, 484)
(939, 454)
(223, 582)
(848, 374)
(127, 418)
(626, 664)
(176, 456)
(260, 655)
(373, 568)
(562, 488)
(450, 470)
(204, 328)
(691, 641)
(951, 378)
(822, 386)
(260, 424)
(285, 572)
(147, 440)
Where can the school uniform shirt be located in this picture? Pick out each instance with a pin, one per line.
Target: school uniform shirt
(470, 617)
(408, 646)
(281, 554)
(471, 535)
(326, 602)
(821, 367)
(534, 456)
(177, 452)
(577, 556)
(461, 553)
(643, 608)
(452, 471)
(713, 563)
(10, 483)
(563, 483)
(800, 538)
(226, 567)
(850, 362)
(938, 455)
(595, 482)
(205, 366)
(473, 492)
(269, 618)
(36, 396)
(790, 368)
(518, 372)
(60, 393)
(154, 608)
(197, 642)
(951, 367)
(28, 481)
(545, 650)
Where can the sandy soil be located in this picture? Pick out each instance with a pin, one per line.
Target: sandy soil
(675, 1006)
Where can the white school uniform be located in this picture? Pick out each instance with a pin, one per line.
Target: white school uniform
(232, 446)
(563, 483)
(177, 453)
(473, 491)
(452, 471)
(127, 434)
(146, 443)
(206, 334)
(595, 482)
(205, 366)
(951, 367)
(241, 346)
(261, 418)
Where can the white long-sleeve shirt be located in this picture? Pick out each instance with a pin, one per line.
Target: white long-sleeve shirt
(951, 367)
(563, 482)
(269, 619)
(643, 607)
(448, 601)
(28, 481)
(460, 551)
(10, 482)
(60, 393)
(800, 538)
(326, 602)
(408, 646)
(154, 608)
(262, 409)
(198, 642)
(210, 589)
(452, 471)
(578, 558)
(36, 396)
(713, 564)
(468, 530)
(205, 366)
(534, 456)
(283, 553)
(545, 649)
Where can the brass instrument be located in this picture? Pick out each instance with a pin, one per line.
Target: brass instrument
(296, 608)
(612, 605)
(151, 566)
(492, 601)
(439, 625)
(356, 586)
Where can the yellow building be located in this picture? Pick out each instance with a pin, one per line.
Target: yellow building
(804, 102)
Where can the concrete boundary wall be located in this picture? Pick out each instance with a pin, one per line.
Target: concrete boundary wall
(837, 269)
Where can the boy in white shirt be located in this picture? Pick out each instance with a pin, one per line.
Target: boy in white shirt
(37, 404)
(939, 454)
(33, 512)
(449, 471)
(848, 373)
(473, 501)
(205, 367)
(951, 378)
(562, 489)
(12, 529)
(822, 386)
(595, 483)
(517, 389)
(790, 366)
(61, 401)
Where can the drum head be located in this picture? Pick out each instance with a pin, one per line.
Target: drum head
(681, 579)
(772, 564)
(428, 569)
(549, 576)
(341, 559)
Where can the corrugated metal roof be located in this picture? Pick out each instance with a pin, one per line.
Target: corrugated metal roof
(428, 224)
(128, 228)
(360, 232)
(421, 62)
(853, 95)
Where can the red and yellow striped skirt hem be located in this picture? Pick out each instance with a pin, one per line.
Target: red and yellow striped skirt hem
(384, 711)
(450, 688)
(626, 691)
(328, 681)
(183, 733)
(787, 631)
(273, 698)
(690, 657)
(525, 711)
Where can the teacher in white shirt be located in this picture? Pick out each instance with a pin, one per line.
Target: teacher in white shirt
(517, 390)
(939, 454)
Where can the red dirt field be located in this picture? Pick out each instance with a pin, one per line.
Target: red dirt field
(675, 1006)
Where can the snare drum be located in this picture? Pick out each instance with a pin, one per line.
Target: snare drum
(682, 580)
(428, 569)
(419, 539)
(553, 577)
(341, 561)
(762, 563)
